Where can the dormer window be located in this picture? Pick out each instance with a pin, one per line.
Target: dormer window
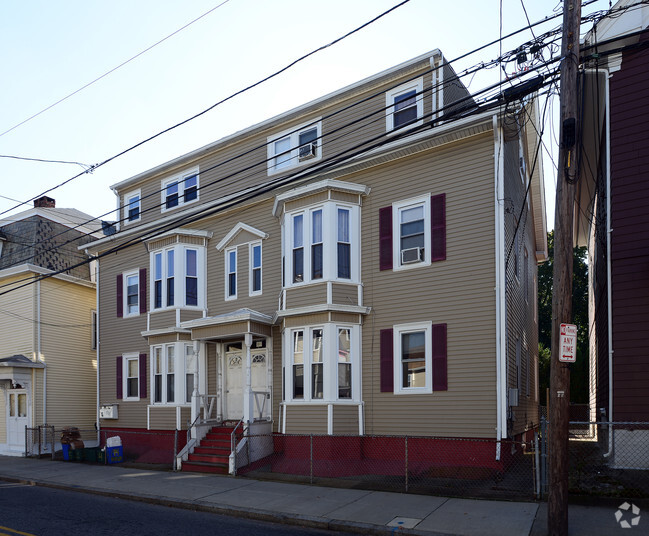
(132, 207)
(404, 105)
(294, 147)
(180, 190)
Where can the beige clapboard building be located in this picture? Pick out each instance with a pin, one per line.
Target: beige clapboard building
(348, 267)
(48, 360)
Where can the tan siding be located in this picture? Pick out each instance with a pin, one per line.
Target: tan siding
(306, 201)
(37, 398)
(3, 415)
(305, 320)
(162, 319)
(344, 294)
(20, 303)
(186, 315)
(66, 350)
(119, 336)
(345, 420)
(277, 379)
(261, 329)
(306, 420)
(346, 317)
(457, 291)
(162, 418)
(307, 295)
(224, 330)
(521, 324)
(212, 368)
(346, 197)
(243, 238)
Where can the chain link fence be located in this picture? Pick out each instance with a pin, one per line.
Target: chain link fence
(138, 447)
(606, 459)
(478, 468)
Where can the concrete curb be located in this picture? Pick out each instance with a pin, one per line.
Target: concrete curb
(298, 520)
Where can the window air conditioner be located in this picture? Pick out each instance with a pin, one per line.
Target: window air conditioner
(307, 151)
(513, 397)
(411, 255)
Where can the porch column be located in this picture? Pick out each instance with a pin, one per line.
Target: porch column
(248, 404)
(196, 401)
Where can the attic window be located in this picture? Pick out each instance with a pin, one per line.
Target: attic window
(404, 105)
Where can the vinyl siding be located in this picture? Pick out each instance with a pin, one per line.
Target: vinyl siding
(3, 416)
(306, 419)
(163, 418)
(306, 295)
(66, 348)
(18, 308)
(345, 294)
(521, 324)
(345, 420)
(458, 291)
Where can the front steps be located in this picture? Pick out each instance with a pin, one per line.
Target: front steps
(212, 455)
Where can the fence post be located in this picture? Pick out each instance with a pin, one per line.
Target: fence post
(311, 459)
(544, 456)
(173, 463)
(537, 464)
(406, 462)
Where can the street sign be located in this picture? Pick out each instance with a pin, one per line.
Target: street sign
(568, 340)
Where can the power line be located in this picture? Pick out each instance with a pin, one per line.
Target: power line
(203, 112)
(84, 166)
(113, 69)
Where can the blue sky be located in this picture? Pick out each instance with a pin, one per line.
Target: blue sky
(52, 49)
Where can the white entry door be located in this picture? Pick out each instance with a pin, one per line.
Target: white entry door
(234, 381)
(16, 418)
(259, 380)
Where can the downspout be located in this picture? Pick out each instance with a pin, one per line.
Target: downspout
(609, 298)
(97, 345)
(500, 281)
(39, 348)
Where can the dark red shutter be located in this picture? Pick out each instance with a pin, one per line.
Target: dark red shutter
(142, 375)
(438, 227)
(385, 238)
(119, 370)
(387, 361)
(440, 382)
(142, 282)
(119, 293)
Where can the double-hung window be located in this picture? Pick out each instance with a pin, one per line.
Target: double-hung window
(231, 274)
(131, 377)
(131, 293)
(132, 207)
(255, 268)
(178, 277)
(404, 105)
(180, 189)
(172, 373)
(321, 363)
(413, 358)
(294, 147)
(320, 244)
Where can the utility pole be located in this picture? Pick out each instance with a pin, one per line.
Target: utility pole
(562, 278)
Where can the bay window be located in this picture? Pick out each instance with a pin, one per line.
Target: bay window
(321, 363)
(178, 277)
(172, 373)
(321, 243)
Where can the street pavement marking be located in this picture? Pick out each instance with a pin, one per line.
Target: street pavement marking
(12, 531)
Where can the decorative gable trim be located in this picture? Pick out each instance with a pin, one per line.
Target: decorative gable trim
(239, 227)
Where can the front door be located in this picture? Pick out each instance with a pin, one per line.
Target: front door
(234, 381)
(16, 418)
(259, 380)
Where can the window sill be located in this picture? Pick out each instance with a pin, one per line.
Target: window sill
(178, 206)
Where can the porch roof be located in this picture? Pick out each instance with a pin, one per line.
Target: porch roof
(229, 324)
(20, 361)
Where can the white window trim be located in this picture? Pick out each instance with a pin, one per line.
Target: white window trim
(329, 361)
(127, 204)
(398, 330)
(329, 243)
(179, 178)
(125, 277)
(396, 232)
(180, 371)
(131, 356)
(94, 329)
(294, 135)
(180, 272)
(228, 271)
(251, 268)
(418, 86)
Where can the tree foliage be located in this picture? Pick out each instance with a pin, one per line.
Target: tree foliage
(578, 370)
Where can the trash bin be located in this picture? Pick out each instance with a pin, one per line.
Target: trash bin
(66, 452)
(114, 454)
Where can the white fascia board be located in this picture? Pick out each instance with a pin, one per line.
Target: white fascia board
(274, 121)
(236, 230)
(311, 188)
(32, 268)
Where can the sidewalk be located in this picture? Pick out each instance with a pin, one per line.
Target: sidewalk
(349, 510)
